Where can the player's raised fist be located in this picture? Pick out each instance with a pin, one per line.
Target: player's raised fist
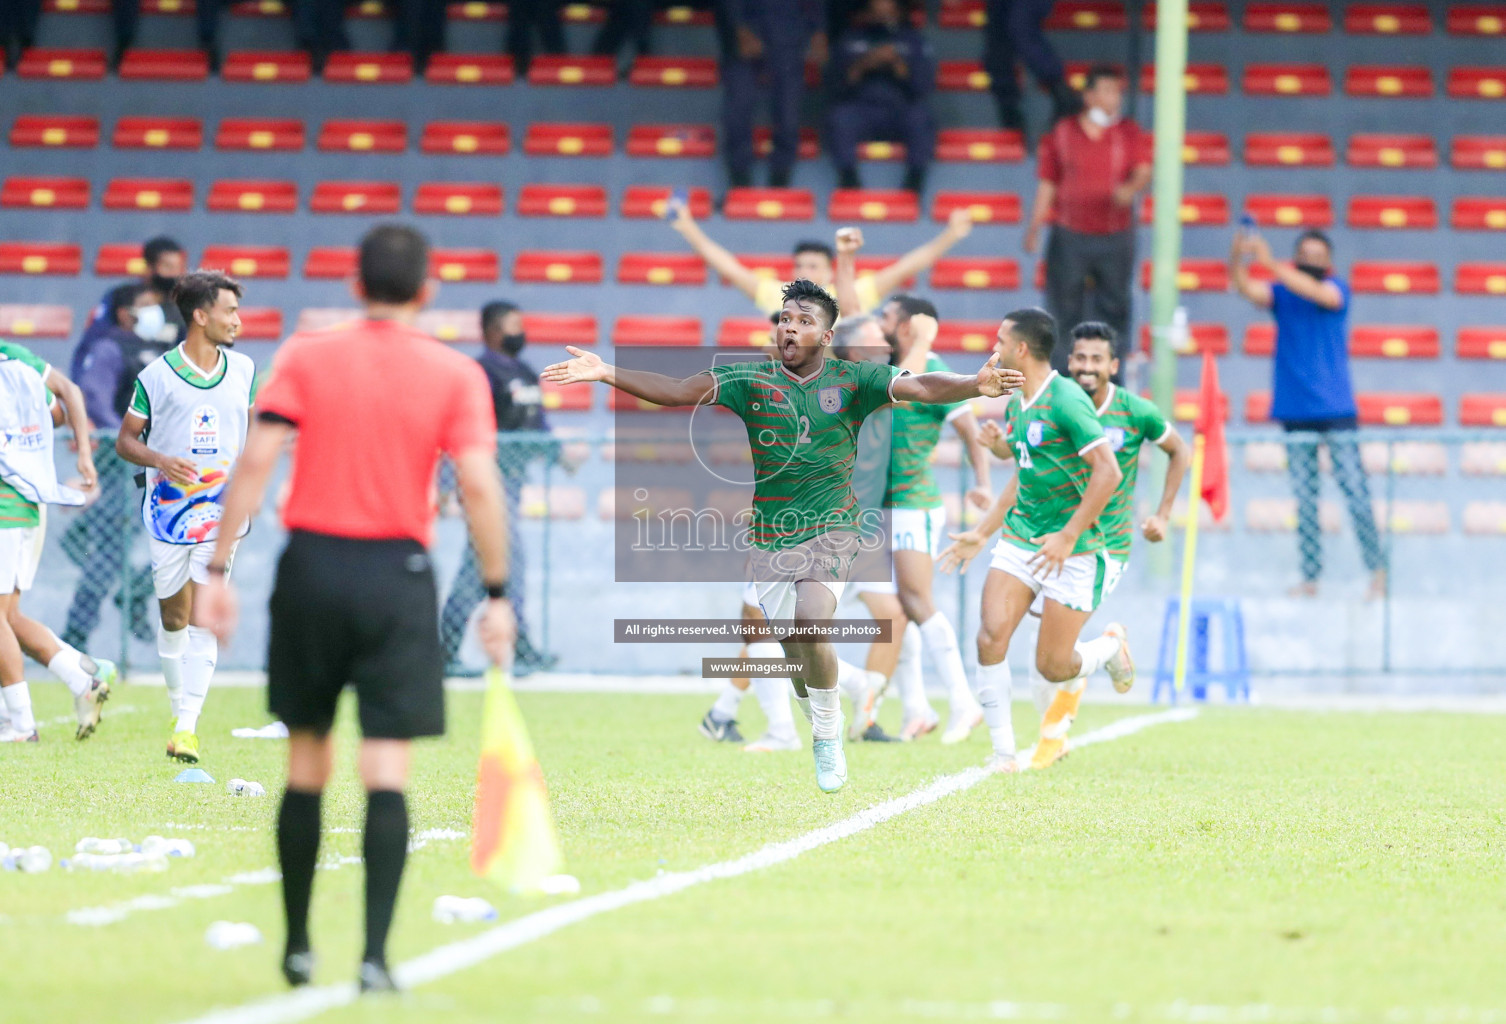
(584, 368)
(849, 239)
(992, 436)
(923, 329)
(960, 221)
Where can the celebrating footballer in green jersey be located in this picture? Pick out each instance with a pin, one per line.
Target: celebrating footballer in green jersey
(803, 414)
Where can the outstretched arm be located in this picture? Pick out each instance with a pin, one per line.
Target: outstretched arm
(967, 543)
(940, 386)
(1257, 292)
(1172, 444)
(849, 241)
(890, 278)
(966, 425)
(716, 257)
(658, 388)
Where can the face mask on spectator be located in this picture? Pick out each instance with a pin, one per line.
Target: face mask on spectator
(1313, 270)
(512, 344)
(1101, 117)
(149, 322)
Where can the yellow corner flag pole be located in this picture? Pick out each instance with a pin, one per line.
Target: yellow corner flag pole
(1189, 557)
(513, 841)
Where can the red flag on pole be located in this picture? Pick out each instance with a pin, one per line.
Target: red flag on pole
(1212, 406)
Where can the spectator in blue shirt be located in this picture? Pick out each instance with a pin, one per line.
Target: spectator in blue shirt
(1312, 394)
(881, 79)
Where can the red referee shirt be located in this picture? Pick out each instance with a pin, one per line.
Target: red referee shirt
(375, 403)
(1086, 172)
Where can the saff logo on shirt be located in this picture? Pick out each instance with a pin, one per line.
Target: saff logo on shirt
(1115, 436)
(830, 399)
(1035, 433)
(205, 439)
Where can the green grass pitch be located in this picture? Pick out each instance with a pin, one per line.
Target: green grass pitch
(1249, 865)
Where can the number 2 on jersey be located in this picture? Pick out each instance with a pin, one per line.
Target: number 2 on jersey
(805, 431)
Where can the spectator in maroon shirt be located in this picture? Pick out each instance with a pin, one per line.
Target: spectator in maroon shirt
(1091, 168)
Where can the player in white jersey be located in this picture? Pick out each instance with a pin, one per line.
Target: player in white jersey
(187, 424)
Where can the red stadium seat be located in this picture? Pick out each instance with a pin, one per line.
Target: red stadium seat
(643, 202)
(369, 68)
(560, 328)
(557, 267)
(476, 10)
(1086, 16)
(1476, 19)
(26, 321)
(1477, 83)
(1378, 341)
(1210, 149)
(1257, 406)
(1396, 278)
(976, 272)
(458, 200)
(255, 133)
(174, 195)
(329, 263)
(656, 330)
(881, 151)
(63, 131)
(1197, 80)
(679, 14)
(47, 62)
(583, 13)
(744, 331)
(164, 65)
(1483, 458)
(961, 76)
(61, 258)
(253, 197)
(568, 140)
(469, 69)
(565, 398)
(776, 266)
(119, 260)
(1388, 81)
(260, 8)
(1399, 408)
(553, 69)
(806, 149)
(158, 133)
(1200, 210)
(363, 197)
(1387, 20)
(1411, 212)
(1391, 151)
(260, 323)
(672, 140)
(464, 265)
(1478, 213)
(1201, 338)
(1306, 18)
(249, 260)
(986, 207)
(769, 204)
(972, 145)
(967, 335)
(1288, 149)
(76, 6)
(362, 136)
(45, 193)
(1286, 80)
(1290, 211)
(1201, 17)
(660, 268)
(562, 201)
(1478, 343)
(1482, 410)
(1260, 339)
(897, 206)
(466, 138)
(1486, 518)
(285, 67)
(1194, 275)
(674, 72)
(1467, 152)
(461, 326)
(1480, 278)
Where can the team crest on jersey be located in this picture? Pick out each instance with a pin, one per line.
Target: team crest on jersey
(1116, 437)
(205, 439)
(830, 399)
(1035, 433)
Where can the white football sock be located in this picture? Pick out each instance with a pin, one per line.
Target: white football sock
(826, 714)
(851, 680)
(773, 693)
(941, 641)
(198, 667)
(1041, 690)
(725, 708)
(909, 679)
(805, 708)
(171, 646)
(993, 689)
(68, 665)
(1096, 653)
(18, 706)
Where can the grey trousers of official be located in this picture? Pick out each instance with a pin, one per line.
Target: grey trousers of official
(1088, 277)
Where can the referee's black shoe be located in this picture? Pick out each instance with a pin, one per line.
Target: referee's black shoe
(376, 978)
(298, 967)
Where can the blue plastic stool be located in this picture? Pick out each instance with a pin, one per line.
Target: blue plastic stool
(1234, 674)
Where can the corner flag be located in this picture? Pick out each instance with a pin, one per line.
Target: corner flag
(1211, 414)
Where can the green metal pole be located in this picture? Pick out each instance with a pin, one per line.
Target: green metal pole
(1166, 253)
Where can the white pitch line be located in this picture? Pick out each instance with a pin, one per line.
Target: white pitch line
(304, 1003)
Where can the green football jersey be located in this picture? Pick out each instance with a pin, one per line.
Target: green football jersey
(15, 511)
(917, 429)
(1129, 422)
(1049, 434)
(804, 436)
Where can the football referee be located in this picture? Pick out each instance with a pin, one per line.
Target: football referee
(374, 403)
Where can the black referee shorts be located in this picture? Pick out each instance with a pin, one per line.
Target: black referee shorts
(363, 612)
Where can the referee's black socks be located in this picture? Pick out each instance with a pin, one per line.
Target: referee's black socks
(386, 848)
(297, 849)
